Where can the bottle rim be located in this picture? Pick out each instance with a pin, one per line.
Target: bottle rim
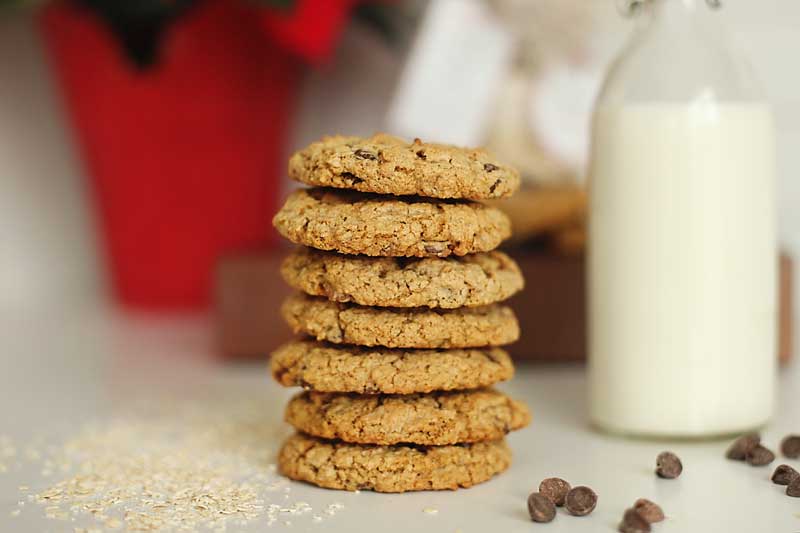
(629, 8)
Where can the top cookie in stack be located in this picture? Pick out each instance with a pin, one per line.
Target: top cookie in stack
(407, 325)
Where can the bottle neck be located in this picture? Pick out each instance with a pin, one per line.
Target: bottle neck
(681, 15)
(686, 6)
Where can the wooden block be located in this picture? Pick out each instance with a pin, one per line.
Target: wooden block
(248, 294)
(786, 309)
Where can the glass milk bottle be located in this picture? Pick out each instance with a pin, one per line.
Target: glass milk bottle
(682, 245)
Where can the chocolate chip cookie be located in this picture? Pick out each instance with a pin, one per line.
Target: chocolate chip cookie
(472, 280)
(338, 323)
(338, 465)
(329, 368)
(438, 418)
(388, 165)
(358, 223)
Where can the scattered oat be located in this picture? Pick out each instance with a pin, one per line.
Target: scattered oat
(24, 488)
(32, 454)
(316, 518)
(199, 467)
(430, 510)
(15, 512)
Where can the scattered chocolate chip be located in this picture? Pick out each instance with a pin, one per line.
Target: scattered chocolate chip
(494, 186)
(555, 489)
(541, 508)
(581, 501)
(365, 154)
(742, 446)
(790, 446)
(784, 475)
(648, 510)
(760, 456)
(421, 154)
(633, 522)
(793, 489)
(668, 465)
(488, 167)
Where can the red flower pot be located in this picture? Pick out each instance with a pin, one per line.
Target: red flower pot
(185, 158)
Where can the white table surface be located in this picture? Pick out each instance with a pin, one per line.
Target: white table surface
(60, 371)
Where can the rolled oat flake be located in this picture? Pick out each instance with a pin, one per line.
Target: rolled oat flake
(760, 456)
(668, 465)
(555, 489)
(648, 510)
(541, 508)
(784, 475)
(742, 446)
(633, 522)
(790, 446)
(581, 501)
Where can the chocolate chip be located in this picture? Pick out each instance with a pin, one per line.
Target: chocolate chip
(488, 167)
(742, 446)
(760, 456)
(784, 475)
(668, 465)
(648, 510)
(352, 178)
(366, 154)
(793, 489)
(421, 154)
(541, 508)
(555, 489)
(633, 522)
(581, 501)
(494, 186)
(790, 446)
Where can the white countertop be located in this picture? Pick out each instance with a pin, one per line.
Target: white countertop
(62, 371)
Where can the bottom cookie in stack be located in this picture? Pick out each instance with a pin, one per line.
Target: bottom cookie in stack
(397, 468)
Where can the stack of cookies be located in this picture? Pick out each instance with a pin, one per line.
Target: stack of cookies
(398, 289)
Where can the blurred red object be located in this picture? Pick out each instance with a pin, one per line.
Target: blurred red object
(311, 28)
(185, 158)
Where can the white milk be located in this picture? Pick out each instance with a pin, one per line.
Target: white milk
(682, 269)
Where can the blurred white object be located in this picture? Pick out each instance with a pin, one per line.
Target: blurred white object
(47, 248)
(513, 139)
(682, 270)
(460, 56)
(549, 31)
(541, 119)
(562, 110)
